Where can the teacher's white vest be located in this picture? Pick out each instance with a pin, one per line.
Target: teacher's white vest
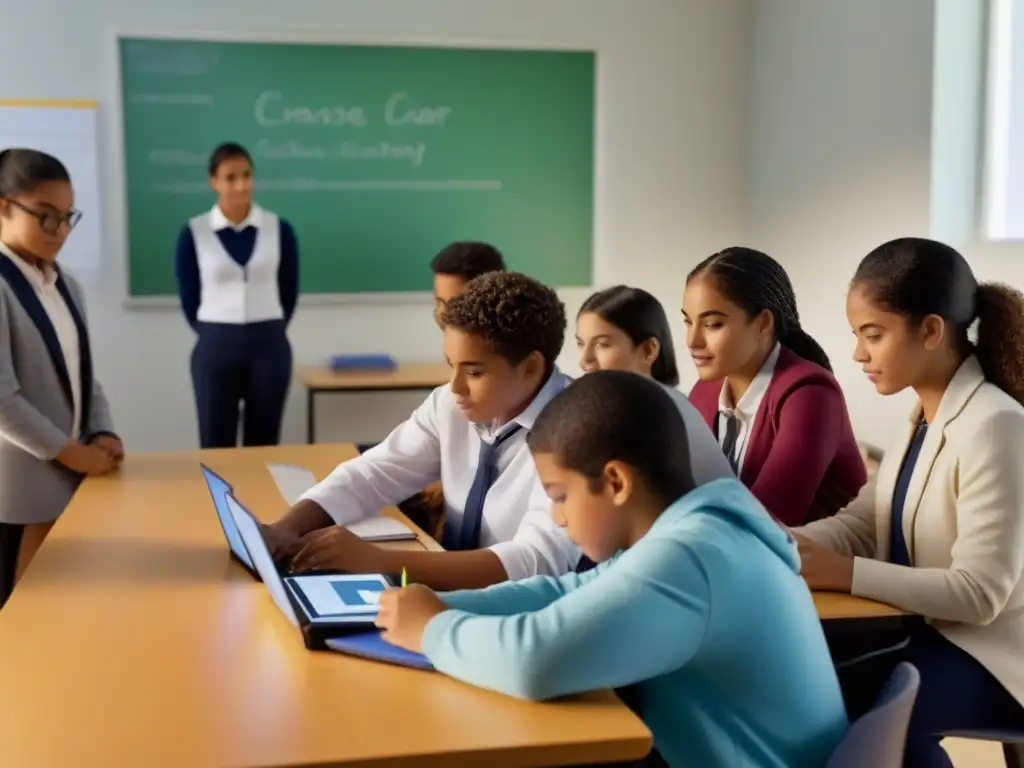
(229, 292)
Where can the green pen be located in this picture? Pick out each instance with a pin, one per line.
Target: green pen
(405, 580)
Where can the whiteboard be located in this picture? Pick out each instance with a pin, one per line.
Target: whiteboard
(66, 130)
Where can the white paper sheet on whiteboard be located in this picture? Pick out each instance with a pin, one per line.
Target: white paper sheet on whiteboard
(69, 134)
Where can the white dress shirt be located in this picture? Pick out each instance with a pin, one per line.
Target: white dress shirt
(745, 411)
(44, 281)
(438, 443)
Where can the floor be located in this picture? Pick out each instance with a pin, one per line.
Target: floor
(975, 754)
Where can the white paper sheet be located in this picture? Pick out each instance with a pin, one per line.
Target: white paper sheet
(294, 481)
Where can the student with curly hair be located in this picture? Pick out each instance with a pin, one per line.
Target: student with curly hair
(766, 388)
(501, 337)
(941, 531)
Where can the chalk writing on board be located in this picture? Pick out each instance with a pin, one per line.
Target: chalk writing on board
(272, 110)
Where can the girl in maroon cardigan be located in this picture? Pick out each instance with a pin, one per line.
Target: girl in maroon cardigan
(766, 388)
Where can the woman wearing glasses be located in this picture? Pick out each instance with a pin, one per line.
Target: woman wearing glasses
(238, 278)
(55, 424)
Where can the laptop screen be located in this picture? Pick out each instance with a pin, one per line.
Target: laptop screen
(249, 529)
(219, 490)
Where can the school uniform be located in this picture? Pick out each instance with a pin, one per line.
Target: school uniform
(676, 619)
(48, 395)
(239, 285)
(789, 438)
(493, 496)
(939, 532)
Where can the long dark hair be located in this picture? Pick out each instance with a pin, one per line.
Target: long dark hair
(916, 277)
(756, 282)
(640, 316)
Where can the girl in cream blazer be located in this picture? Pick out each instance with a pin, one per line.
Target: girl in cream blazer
(940, 531)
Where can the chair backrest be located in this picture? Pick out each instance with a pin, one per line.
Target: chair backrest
(879, 737)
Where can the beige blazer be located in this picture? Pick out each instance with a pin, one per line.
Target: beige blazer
(963, 521)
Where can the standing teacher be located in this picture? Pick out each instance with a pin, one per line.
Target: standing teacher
(238, 277)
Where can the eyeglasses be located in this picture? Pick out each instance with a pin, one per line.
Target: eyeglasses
(49, 221)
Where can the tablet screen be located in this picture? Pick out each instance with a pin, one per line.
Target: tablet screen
(339, 597)
(219, 490)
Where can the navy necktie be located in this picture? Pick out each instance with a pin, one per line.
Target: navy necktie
(468, 535)
(732, 433)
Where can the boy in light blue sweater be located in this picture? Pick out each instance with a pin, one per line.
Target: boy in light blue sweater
(697, 600)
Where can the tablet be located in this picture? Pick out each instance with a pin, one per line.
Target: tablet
(219, 491)
(338, 598)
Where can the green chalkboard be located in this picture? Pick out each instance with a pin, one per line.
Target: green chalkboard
(378, 155)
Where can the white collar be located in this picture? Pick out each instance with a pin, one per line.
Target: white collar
(45, 275)
(748, 404)
(219, 221)
(556, 383)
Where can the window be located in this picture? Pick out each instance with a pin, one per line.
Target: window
(1004, 161)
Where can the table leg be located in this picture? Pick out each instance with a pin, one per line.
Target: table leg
(310, 416)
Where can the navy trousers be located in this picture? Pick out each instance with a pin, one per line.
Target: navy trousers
(233, 365)
(957, 694)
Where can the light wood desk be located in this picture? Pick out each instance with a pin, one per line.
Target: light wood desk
(407, 377)
(134, 640)
(833, 606)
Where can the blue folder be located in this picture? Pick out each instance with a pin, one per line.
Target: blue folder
(367, 362)
(370, 645)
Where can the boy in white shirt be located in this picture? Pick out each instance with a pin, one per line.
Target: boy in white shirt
(501, 337)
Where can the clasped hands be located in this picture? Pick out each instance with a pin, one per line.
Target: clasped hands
(102, 454)
(404, 613)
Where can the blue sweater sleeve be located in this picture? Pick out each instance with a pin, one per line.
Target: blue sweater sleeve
(186, 269)
(641, 617)
(512, 597)
(288, 271)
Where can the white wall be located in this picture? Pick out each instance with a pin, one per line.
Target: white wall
(670, 173)
(839, 157)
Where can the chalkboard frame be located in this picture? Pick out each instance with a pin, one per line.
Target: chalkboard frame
(118, 184)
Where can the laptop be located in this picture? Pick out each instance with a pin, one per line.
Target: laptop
(322, 605)
(219, 491)
(334, 611)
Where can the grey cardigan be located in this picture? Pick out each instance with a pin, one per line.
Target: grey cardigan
(36, 407)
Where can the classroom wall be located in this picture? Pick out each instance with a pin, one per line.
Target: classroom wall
(840, 152)
(672, 92)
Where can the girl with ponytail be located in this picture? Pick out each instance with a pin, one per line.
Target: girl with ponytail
(942, 534)
(766, 388)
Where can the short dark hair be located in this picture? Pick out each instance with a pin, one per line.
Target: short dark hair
(640, 316)
(754, 281)
(227, 151)
(467, 259)
(916, 277)
(513, 313)
(617, 416)
(23, 170)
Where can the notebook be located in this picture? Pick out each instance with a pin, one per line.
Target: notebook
(321, 605)
(370, 645)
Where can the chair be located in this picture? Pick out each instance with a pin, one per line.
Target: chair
(879, 737)
(1012, 741)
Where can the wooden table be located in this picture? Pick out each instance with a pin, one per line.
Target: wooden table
(833, 606)
(134, 640)
(407, 377)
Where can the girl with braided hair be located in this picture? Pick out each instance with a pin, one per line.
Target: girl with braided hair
(766, 388)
